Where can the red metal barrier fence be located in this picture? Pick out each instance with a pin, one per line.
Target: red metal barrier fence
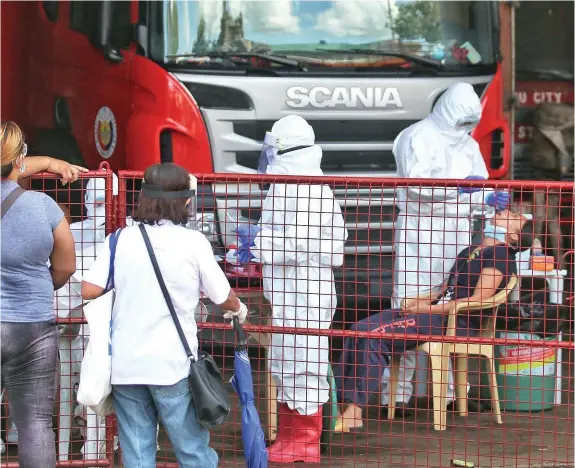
(526, 354)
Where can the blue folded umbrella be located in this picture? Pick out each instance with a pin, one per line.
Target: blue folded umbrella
(242, 381)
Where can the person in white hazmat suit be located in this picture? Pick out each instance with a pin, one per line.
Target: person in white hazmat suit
(299, 239)
(434, 223)
(89, 235)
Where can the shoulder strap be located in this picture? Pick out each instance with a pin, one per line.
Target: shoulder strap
(10, 199)
(113, 243)
(165, 291)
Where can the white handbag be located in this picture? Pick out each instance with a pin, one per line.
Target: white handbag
(95, 389)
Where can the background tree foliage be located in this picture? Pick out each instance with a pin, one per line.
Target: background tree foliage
(417, 20)
(201, 44)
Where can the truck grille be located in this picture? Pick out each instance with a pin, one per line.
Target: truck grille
(370, 143)
(333, 131)
(337, 161)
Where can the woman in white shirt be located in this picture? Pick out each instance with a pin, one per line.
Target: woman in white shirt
(149, 364)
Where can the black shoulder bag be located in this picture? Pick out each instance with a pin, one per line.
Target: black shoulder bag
(209, 394)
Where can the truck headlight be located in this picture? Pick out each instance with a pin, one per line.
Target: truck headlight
(207, 225)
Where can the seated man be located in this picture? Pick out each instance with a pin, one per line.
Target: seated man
(480, 272)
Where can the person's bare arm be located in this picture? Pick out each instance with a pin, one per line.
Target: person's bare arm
(63, 257)
(423, 300)
(67, 172)
(91, 291)
(487, 286)
(489, 281)
(231, 303)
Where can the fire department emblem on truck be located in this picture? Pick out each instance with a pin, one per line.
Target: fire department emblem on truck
(105, 132)
(348, 97)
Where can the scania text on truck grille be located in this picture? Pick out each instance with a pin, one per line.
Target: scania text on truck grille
(301, 97)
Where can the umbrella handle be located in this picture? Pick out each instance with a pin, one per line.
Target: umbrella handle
(240, 334)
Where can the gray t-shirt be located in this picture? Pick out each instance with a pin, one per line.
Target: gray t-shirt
(27, 293)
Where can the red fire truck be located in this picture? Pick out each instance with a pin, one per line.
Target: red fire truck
(198, 83)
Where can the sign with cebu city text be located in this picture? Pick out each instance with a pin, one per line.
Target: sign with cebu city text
(300, 97)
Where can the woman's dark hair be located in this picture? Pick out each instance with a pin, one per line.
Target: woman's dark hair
(170, 178)
(526, 236)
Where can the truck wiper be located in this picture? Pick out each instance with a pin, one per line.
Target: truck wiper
(274, 59)
(384, 53)
(293, 63)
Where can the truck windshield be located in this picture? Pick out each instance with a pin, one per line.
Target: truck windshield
(341, 34)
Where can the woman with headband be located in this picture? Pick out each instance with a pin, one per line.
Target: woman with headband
(149, 364)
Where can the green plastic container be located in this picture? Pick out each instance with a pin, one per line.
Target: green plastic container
(526, 375)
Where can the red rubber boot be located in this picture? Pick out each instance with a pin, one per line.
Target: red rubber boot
(304, 443)
(285, 429)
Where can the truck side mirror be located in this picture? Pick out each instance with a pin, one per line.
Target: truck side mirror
(101, 34)
(141, 36)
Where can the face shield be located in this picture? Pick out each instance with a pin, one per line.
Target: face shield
(95, 199)
(269, 152)
(193, 204)
(275, 146)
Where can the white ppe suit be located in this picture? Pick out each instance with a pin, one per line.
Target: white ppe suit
(89, 236)
(434, 223)
(301, 239)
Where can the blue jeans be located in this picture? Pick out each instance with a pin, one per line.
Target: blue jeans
(138, 408)
(29, 376)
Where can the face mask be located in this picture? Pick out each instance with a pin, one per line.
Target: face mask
(467, 124)
(495, 232)
(96, 211)
(22, 163)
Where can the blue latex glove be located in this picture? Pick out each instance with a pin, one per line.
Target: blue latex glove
(471, 189)
(247, 233)
(244, 254)
(498, 200)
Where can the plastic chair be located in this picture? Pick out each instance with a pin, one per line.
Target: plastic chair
(439, 357)
(463, 350)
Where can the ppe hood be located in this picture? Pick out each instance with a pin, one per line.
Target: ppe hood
(96, 194)
(294, 150)
(456, 108)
